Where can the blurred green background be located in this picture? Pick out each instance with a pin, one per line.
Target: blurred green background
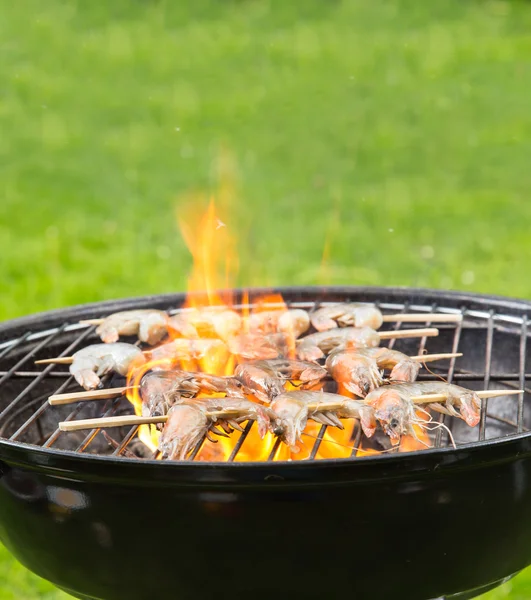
(396, 131)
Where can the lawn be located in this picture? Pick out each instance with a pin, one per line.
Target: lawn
(396, 132)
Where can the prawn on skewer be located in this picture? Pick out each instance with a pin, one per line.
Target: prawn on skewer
(397, 413)
(211, 321)
(360, 370)
(189, 422)
(266, 378)
(346, 314)
(160, 390)
(293, 409)
(291, 322)
(316, 345)
(150, 325)
(92, 362)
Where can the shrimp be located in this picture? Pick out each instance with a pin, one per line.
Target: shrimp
(253, 346)
(314, 346)
(293, 409)
(395, 409)
(266, 378)
(150, 325)
(293, 322)
(159, 390)
(461, 399)
(213, 350)
(359, 370)
(212, 321)
(185, 428)
(242, 409)
(92, 362)
(346, 314)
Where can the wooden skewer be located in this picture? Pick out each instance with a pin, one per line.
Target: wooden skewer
(428, 398)
(130, 420)
(91, 321)
(60, 399)
(105, 422)
(73, 397)
(408, 333)
(60, 360)
(434, 357)
(422, 318)
(384, 335)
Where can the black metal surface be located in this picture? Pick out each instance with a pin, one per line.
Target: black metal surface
(436, 523)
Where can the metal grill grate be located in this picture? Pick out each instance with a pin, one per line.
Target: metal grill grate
(494, 347)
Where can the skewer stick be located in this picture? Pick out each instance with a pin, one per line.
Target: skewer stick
(433, 357)
(60, 399)
(408, 333)
(428, 398)
(422, 318)
(130, 420)
(121, 421)
(384, 335)
(59, 360)
(91, 321)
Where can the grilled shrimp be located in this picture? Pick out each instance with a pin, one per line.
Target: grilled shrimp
(346, 315)
(159, 390)
(150, 325)
(188, 350)
(244, 410)
(293, 409)
(359, 370)
(212, 321)
(461, 399)
(293, 322)
(185, 428)
(395, 410)
(92, 362)
(266, 378)
(315, 345)
(254, 346)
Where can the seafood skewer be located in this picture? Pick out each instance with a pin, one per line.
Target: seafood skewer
(188, 422)
(150, 325)
(266, 378)
(353, 314)
(293, 409)
(316, 345)
(159, 390)
(92, 362)
(104, 422)
(211, 321)
(291, 322)
(256, 346)
(395, 405)
(360, 370)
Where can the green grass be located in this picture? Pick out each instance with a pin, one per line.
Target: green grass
(398, 130)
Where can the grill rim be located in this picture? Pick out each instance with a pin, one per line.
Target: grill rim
(94, 467)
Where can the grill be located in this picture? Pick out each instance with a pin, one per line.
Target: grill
(456, 517)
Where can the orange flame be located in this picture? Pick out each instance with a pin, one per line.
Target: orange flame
(201, 337)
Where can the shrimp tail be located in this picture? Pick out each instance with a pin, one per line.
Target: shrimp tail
(405, 370)
(88, 379)
(108, 334)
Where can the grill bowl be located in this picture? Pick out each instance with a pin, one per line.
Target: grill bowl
(438, 523)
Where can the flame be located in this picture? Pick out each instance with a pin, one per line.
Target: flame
(201, 336)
